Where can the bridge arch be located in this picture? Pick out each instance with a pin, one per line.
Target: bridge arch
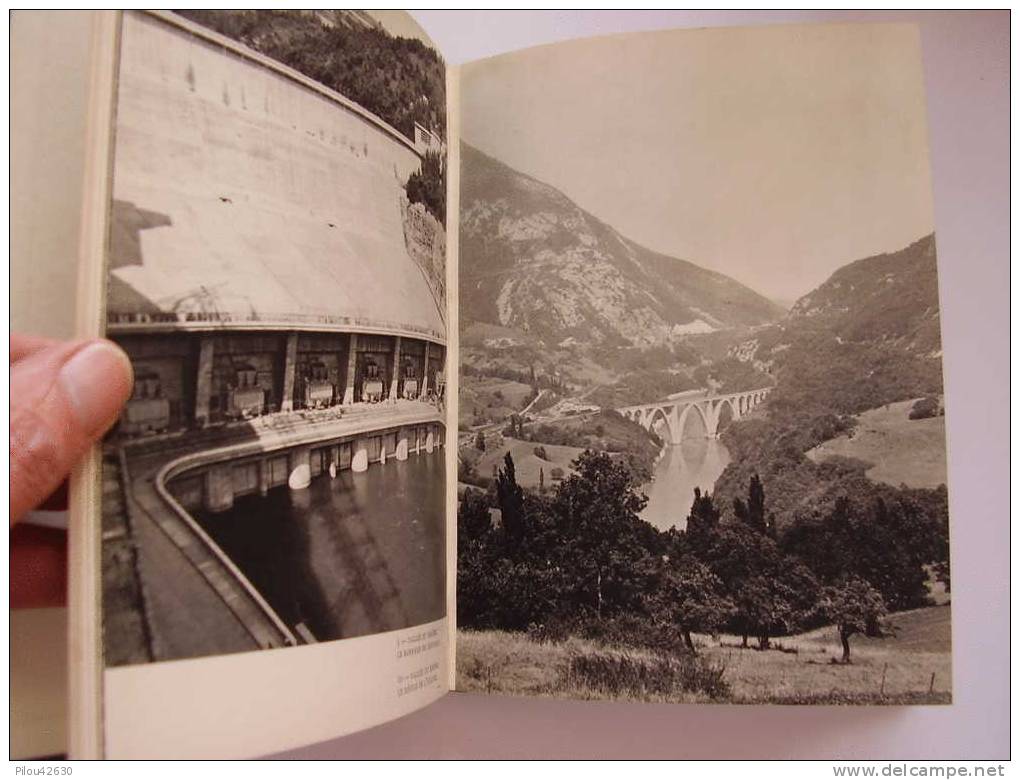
(717, 410)
(675, 413)
(706, 419)
(659, 412)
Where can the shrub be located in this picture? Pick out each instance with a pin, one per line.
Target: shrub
(556, 474)
(541, 453)
(925, 407)
(634, 674)
(554, 630)
(428, 186)
(631, 630)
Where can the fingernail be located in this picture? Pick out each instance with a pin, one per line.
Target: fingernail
(97, 380)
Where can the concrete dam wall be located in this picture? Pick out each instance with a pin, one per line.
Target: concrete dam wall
(247, 195)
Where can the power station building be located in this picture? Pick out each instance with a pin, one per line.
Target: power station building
(261, 256)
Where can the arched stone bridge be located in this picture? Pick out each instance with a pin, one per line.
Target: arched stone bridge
(674, 412)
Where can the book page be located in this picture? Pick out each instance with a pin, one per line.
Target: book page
(701, 433)
(272, 504)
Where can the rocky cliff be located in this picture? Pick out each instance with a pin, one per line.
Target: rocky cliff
(535, 262)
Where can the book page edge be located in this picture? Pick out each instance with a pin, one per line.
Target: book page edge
(85, 732)
(452, 356)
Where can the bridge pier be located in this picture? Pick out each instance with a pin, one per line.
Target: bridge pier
(359, 460)
(404, 438)
(203, 381)
(352, 365)
(425, 375)
(395, 376)
(265, 476)
(289, 373)
(300, 468)
(219, 488)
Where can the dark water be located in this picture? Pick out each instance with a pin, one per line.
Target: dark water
(355, 555)
(695, 462)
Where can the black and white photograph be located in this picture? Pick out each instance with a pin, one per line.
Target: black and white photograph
(701, 431)
(276, 274)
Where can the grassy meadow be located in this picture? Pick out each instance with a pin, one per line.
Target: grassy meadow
(797, 670)
(490, 399)
(901, 450)
(526, 462)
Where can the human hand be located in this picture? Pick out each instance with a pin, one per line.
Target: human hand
(64, 397)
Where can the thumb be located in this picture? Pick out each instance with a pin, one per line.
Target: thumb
(63, 398)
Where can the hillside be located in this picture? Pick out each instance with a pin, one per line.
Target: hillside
(401, 80)
(538, 264)
(865, 338)
(891, 298)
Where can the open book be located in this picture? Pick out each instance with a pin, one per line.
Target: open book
(607, 369)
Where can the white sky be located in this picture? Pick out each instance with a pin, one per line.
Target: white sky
(772, 154)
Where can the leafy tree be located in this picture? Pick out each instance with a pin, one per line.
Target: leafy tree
(480, 442)
(515, 427)
(474, 523)
(465, 466)
(603, 537)
(702, 524)
(427, 186)
(473, 541)
(942, 572)
(690, 597)
(856, 608)
(763, 609)
(753, 512)
(888, 543)
(511, 502)
(772, 593)
(541, 480)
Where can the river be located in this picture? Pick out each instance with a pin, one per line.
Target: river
(695, 462)
(355, 555)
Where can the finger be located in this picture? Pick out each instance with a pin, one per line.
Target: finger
(23, 345)
(56, 501)
(38, 559)
(63, 398)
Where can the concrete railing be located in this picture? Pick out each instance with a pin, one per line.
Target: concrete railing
(286, 634)
(213, 320)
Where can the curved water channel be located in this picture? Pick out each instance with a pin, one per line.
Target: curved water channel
(359, 554)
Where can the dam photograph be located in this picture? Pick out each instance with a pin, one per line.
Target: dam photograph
(276, 274)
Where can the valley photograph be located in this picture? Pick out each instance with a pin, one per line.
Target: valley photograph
(701, 434)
